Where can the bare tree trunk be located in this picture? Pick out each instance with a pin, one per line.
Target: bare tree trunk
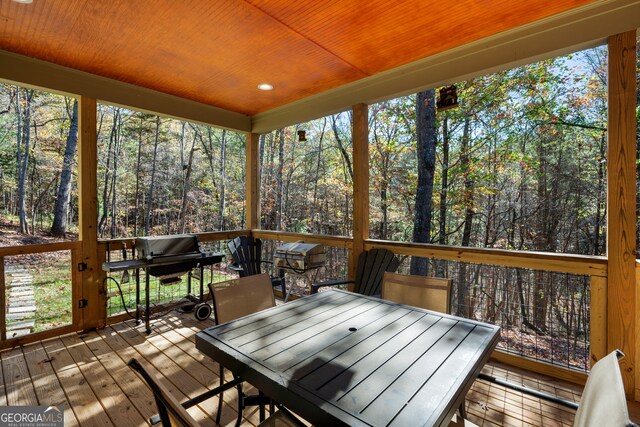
(601, 205)
(315, 229)
(23, 158)
(442, 231)
(426, 150)
(223, 179)
(18, 133)
(107, 175)
(137, 205)
(117, 118)
(463, 297)
(286, 205)
(187, 169)
(343, 151)
(279, 180)
(147, 222)
(61, 209)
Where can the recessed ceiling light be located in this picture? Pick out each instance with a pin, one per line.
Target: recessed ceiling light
(265, 86)
(23, 1)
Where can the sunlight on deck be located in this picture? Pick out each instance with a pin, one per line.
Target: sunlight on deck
(88, 374)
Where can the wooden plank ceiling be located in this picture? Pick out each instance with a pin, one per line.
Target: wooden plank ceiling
(217, 52)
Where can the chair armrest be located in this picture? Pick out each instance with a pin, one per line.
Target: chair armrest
(234, 267)
(316, 286)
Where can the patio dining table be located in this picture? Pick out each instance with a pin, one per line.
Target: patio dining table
(339, 358)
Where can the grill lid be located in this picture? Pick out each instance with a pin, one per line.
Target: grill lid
(154, 247)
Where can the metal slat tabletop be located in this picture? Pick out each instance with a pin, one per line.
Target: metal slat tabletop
(339, 358)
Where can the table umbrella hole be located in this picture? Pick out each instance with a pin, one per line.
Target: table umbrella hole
(353, 329)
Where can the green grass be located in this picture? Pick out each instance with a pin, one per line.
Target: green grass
(52, 291)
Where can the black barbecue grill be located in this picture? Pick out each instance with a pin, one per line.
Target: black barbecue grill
(168, 258)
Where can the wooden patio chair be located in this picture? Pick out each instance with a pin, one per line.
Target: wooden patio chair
(246, 252)
(603, 401)
(172, 413)
(371, 266)
(241, 297)
(431, 293)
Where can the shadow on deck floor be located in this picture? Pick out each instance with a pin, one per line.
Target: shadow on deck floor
(88, 374)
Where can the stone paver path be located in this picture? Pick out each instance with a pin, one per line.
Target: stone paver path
(21, 305)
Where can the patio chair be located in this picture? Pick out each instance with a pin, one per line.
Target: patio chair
(371, 266)
(242, 297)
(603, 401)
(246, 252)
(172, 413)
(431, 293)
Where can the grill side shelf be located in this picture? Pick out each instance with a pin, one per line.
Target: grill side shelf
(130, 264)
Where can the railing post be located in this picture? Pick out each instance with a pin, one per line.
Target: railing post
(621, 205)
(94, 314)
(252, 181)
(360, 138)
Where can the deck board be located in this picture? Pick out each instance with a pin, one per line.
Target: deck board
(45, 381)
(18, 385)
(83, 401)
(70, 370)
(178, 381)
(104, 385)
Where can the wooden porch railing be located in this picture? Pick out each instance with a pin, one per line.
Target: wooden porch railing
(595, 267)
(8, 251)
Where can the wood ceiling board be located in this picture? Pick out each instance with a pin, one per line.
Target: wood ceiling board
(22, 27)
(217, 52)
(378, 35)
(211, 52)
(571, 31)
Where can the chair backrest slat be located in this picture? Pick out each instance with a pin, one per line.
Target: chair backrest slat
(431, 293)
(241, 297)
(371, 266)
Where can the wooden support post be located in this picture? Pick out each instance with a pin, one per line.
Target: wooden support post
(360, 137)
(252, 182)
(598, 320)
(621, 201)
(93, 314)
(637, 318)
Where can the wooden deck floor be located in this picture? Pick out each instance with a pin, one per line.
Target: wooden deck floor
(88, 374)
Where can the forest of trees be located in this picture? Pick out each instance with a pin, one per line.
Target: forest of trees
(520, 164)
